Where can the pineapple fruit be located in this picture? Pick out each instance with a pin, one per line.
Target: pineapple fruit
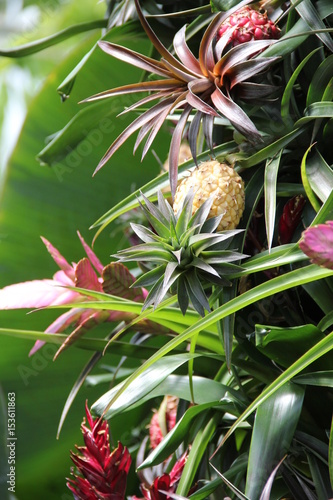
(249, 24)
(222, 184)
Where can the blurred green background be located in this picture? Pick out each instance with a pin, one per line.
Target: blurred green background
(54, 202)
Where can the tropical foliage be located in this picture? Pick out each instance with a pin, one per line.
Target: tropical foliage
(230, 332)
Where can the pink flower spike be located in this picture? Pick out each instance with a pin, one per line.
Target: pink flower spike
(58, 258)
(36, 293)
(91, 255)
(317, 243)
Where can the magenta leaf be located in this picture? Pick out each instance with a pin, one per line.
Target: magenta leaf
(117, 280)
(58, 258)
(85, 276)
(91, 255)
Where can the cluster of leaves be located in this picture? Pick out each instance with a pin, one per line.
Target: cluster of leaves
(257, 392)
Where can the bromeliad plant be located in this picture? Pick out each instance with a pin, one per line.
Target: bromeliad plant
(236, 321)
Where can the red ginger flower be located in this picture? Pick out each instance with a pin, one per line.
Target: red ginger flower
(317, 243)
(163, 420)
(104, 471)
(162, 485)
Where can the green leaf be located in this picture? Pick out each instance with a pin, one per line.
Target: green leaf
(44, 43)
(124, 33)
(275, 285)
(198, 449)
(271, 172)
(320, 477)
(321, 79)
(278, 256)
(232, 487)
(76, 387)
(271, 150)
(288, 91)
(323, 109)
(285, 345)
(317, 351)
(227, 324)
(309, 13)
(108, 405)
(307, 187)
(289, 41)
(266, 492)
(176, 436)
(325, 213)
(321, 293)
(90, 344)
(88, 119)
(330, 454)
(237, 468)
(320, 378)
(274, 426)
(320, 176)
(326, 322)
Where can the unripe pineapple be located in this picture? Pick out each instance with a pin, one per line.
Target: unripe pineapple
(249, 24)
(221, 183)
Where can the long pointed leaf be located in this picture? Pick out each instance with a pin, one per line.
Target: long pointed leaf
(275, 423)
(271, 172)
(274, 286)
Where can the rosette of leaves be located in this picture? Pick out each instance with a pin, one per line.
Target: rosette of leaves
(182, 254)
(209, 85)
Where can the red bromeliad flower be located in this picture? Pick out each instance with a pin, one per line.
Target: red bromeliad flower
(162, 485)
(163, 420)
(317, 243)
(208, 85)
(103, 473)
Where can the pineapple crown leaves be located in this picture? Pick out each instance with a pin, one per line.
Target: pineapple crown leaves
(182, 253)
(207, 85)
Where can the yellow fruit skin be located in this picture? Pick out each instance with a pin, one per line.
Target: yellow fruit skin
(217, 180)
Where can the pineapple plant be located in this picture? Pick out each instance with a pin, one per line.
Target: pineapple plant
(248, 24)
(182, 254)
(221, 183)
(210, 85)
